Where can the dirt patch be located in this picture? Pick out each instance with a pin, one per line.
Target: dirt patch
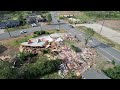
(113, 24)
(7, 49)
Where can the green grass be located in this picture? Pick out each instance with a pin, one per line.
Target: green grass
(56, 31)
(18, 28)
(86, 16)
(17, 42)
(102, 39)
(68, 42)
(52, 76)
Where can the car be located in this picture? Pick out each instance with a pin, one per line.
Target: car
(71, 26)
(23, 31)
(33, 25)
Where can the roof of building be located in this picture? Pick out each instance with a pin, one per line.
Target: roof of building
(45, 38)
(93, 74)
(9, 23)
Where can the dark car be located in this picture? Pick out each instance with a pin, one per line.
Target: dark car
(71, 26)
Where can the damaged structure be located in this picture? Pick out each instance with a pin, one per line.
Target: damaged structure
(71, 61)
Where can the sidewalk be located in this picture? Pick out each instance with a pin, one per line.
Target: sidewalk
(106, 32)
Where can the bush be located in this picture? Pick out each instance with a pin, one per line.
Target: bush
(37, 70)
(37, 32)
(47, 33)
(113, 73)
(45, 51)
(34, 35)
(76, 49)
(113, 62)
(6, 70)
(40, 32)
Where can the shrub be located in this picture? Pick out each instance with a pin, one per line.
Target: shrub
(47, 33)
(40, 32)
(113, 73)
(37, 32)
(6, 70)
(36, 70)
(113, 62)
(76, 49)
(45, 51)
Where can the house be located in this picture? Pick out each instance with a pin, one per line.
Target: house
(9, 24)
(35, 19)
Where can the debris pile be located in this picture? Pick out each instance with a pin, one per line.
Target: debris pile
(5, 58)
(70, 37)
(77, 62)
(88, 54)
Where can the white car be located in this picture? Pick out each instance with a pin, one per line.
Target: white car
(33, 25)
(23, 31)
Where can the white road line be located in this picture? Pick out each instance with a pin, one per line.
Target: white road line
(107, 52)
(102, 50)
(108, 45)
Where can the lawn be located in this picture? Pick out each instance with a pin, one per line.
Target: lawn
(15, 42)
(68, 42)
(56, 31)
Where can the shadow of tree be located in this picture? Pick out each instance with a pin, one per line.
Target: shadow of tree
(76, 49)
(2, 49)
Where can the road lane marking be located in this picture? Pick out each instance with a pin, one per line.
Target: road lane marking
(107, 52)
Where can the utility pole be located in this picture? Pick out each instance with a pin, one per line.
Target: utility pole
(8, 31)
(102, 25)
(59, 24)
(40, 26)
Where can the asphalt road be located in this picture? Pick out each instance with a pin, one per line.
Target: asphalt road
(108, 52)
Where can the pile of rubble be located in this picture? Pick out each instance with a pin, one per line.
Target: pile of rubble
(77, 62)
(70, 37)
(5, 58)
(88, 54)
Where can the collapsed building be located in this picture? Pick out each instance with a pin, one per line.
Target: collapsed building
(36, 45)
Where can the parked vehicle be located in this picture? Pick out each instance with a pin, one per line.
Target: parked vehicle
(23, 31)
(33, 25)
(71, 26)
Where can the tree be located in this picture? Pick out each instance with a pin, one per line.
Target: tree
(22, 20)
(113, 73)
(6, 70)
(49, 18)
(89, 33)
(113, 61)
